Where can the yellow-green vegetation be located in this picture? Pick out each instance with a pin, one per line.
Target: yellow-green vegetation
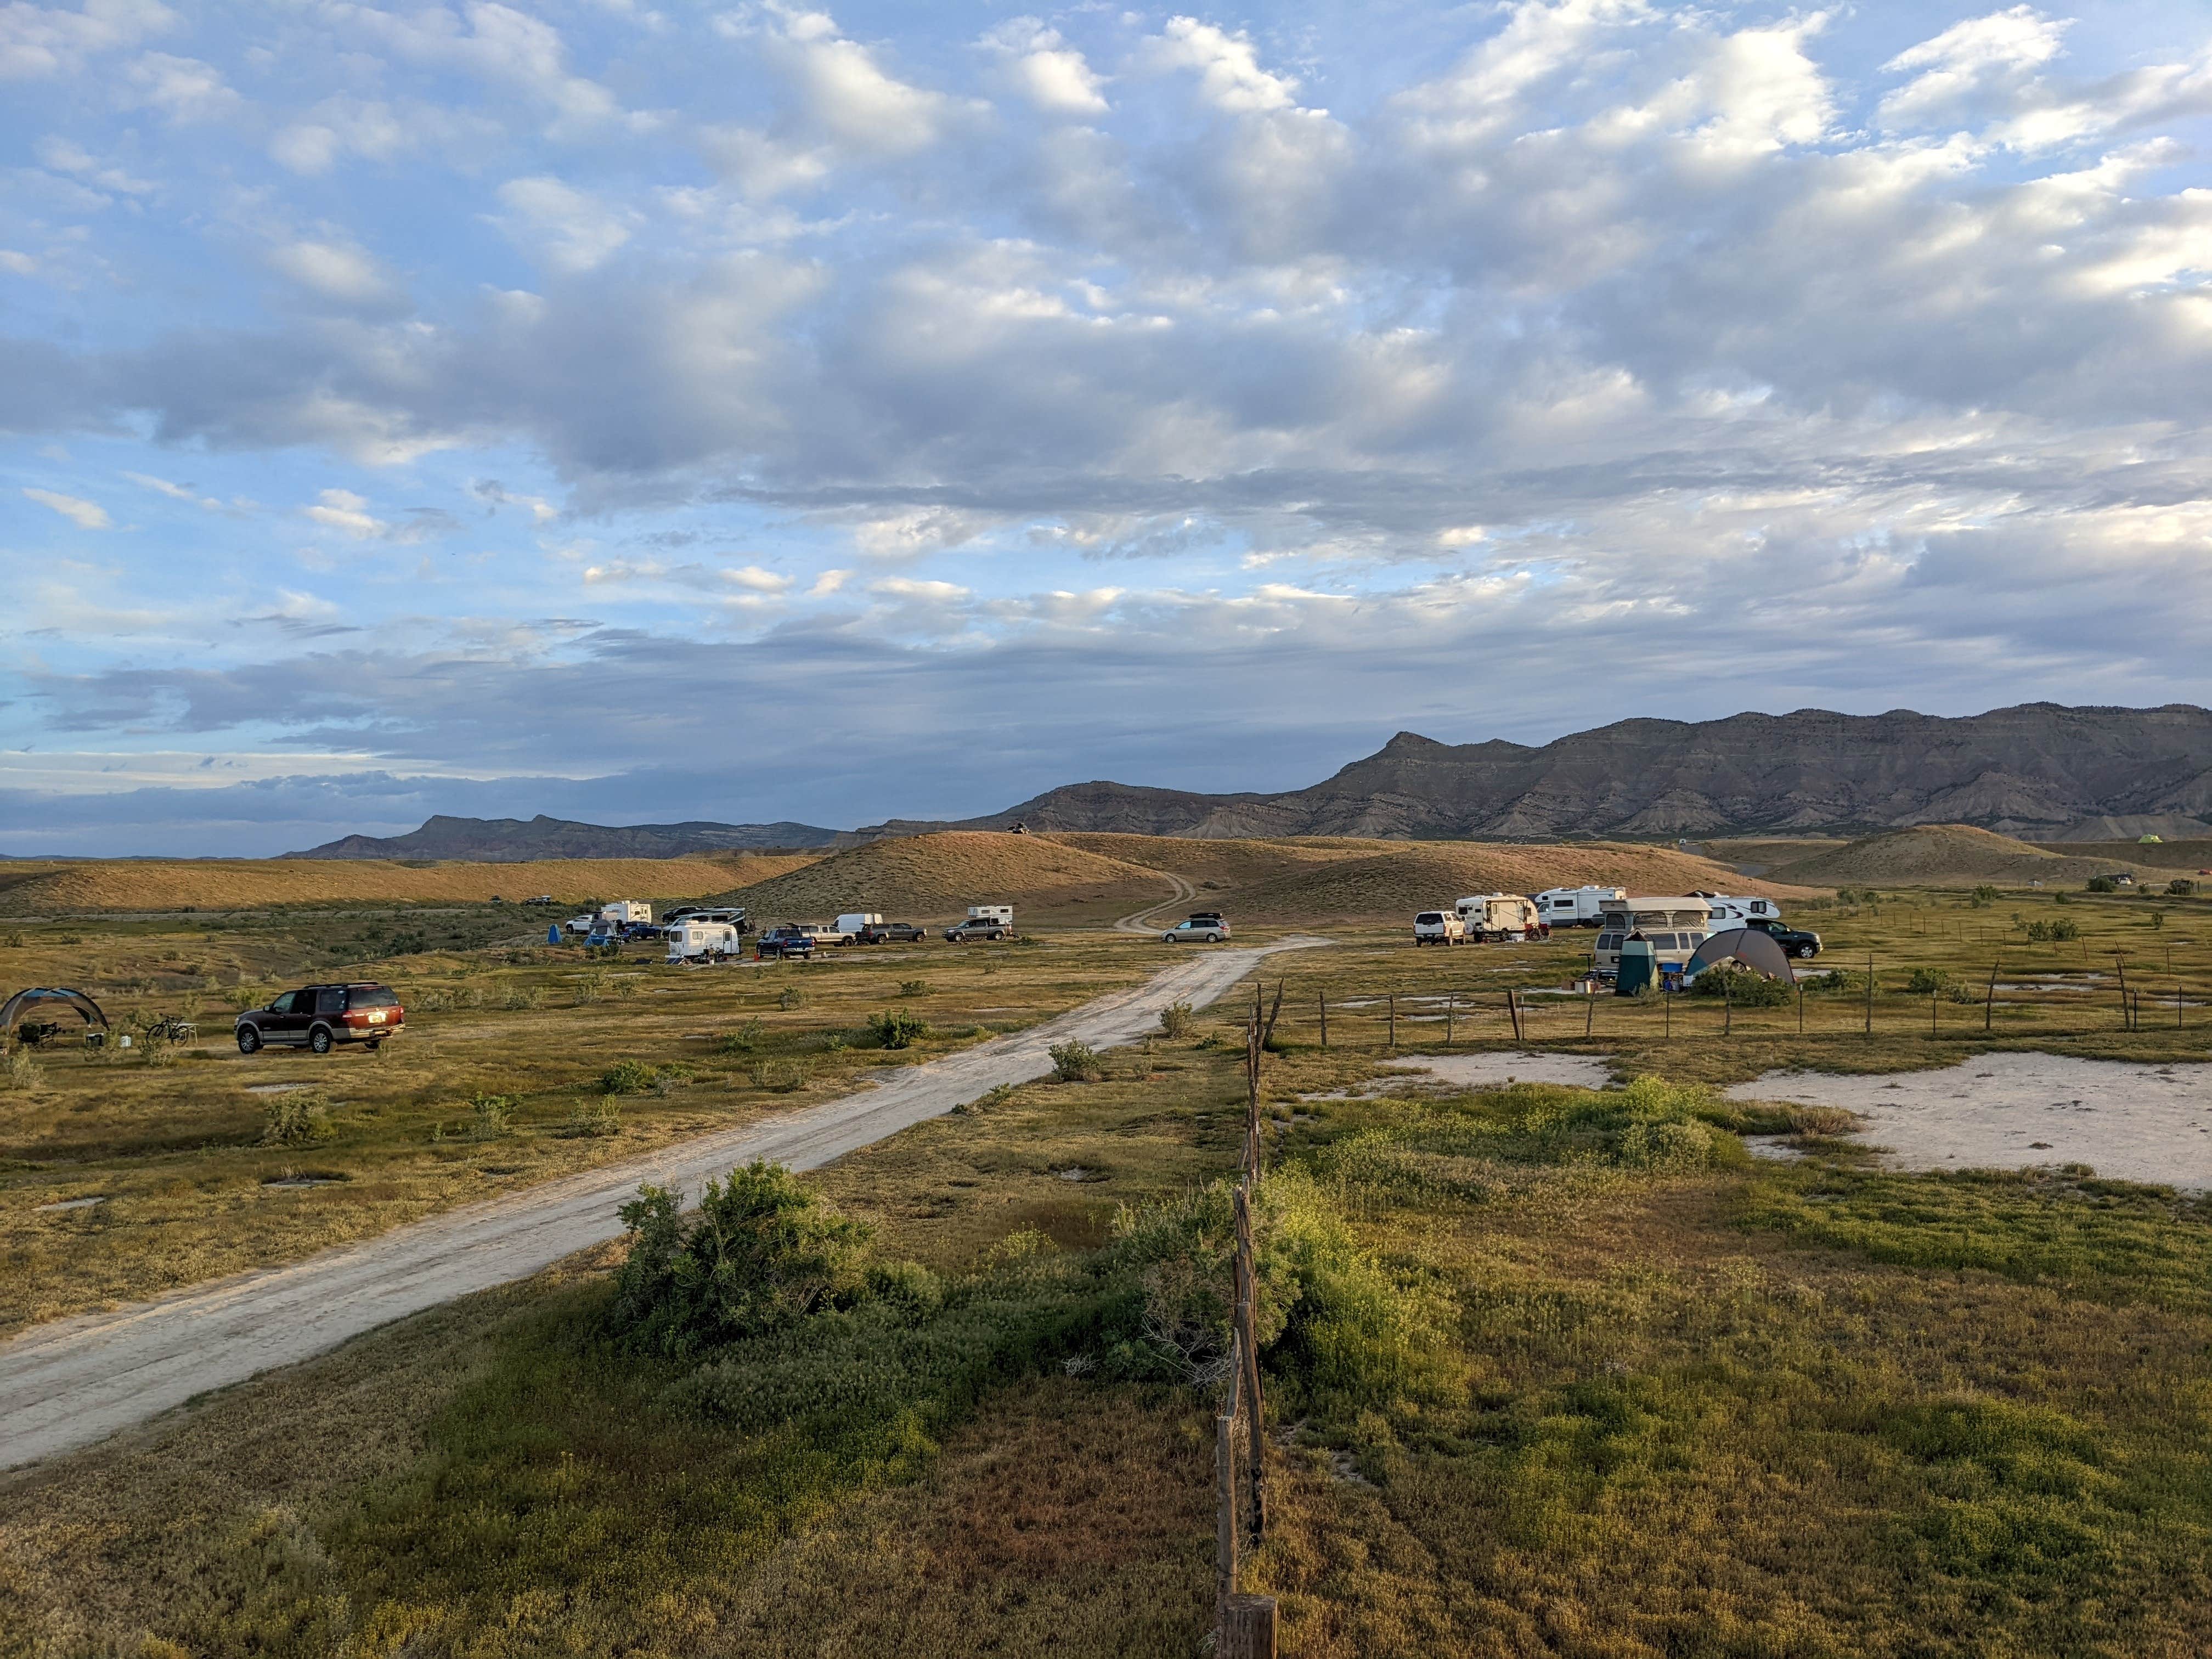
(1554, 1371)
(519, 1063)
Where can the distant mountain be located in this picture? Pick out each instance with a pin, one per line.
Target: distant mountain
(2039, 770)
(511, 841)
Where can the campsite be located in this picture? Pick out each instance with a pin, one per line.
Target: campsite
(1557, 1270)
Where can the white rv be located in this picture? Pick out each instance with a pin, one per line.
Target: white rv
(701, 943)
(1496, 916)
(1576, 907)
(1675, 927)
(1001, 913)
(623, 912)
(1732, 912)
(1439, 928)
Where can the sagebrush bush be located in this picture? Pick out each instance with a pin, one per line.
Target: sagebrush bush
(2180, 887)
(597, 1115)
(742, 1041)
(22, 1070)
(1177, 1019)
(1926, 981)
(494, 1114)
(790, 997)
(296, 1120)
(1744, 987)
(1077, 1062)
(627, 1077)
(897, 1029)
(761, 1252)
(914, 987)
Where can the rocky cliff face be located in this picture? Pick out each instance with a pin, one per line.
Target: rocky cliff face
(2038, 770)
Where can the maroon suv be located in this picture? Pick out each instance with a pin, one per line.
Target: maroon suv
(318, 1017)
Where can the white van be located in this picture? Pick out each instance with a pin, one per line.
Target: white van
(1576, 907)
(699, 944)
(1675, 928)
(852, 921)
(1439, 928)
(1497, 916)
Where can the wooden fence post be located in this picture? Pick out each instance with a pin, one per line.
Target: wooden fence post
(1393, 1020)
(1990, 1003)
(2120, 964)
(1225, 1481)
(1801, 1007)
(1324, 1022)
(1728, 1007)
(1247, 1628)
(1590, 1012)
(1513, 1012)
(1248, 1341)
(1869, 1002)
(1451, 1001)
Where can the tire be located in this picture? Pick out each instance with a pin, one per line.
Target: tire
(248, 1039)
(320, 1039)
(1803, 952)
(373, 1045)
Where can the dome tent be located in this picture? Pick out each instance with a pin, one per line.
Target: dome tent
(40, 999)
(1749, 945)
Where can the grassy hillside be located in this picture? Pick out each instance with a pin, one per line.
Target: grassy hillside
(928, 877)
(248, 883)
(1936, 855)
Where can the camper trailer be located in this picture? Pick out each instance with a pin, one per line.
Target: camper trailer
(1729, 911)
(1675, 927)
(700, 943)
(1576, 907)
(625, 912)
(1492, 917)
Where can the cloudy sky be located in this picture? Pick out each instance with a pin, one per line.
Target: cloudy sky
(640, 413)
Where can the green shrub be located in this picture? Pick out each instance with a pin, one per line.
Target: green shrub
(2158, 918)
(296, 1120)
(594, 1117)
(2039, 932)
(742, 1041)
(2065, 933)
(1077, 1062)
(627, 1077)
(1742, 987)
(897, 1029)
(914, 987)
(1837, 980)
(1985, 895)
(2180, 887)
(22, 1070)
(790, 997)
(782, 1076)
(1926, 981)
(494, 1116)
(760, 1253)
(2102, 884)
(1178, 1020)
(1667, 1148)
(1962, 992)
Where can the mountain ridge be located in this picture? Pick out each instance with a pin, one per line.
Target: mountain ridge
(2039, 770)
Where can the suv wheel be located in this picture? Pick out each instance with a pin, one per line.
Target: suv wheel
(320, 1039)
(1804, 951)
(248, 1039)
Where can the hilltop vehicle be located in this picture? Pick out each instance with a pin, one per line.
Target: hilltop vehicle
(542, 898)
(1675, 927)
(323, 1016)
(981, 926)
(700, 943)
(1439, 928)
(789, 940)
(1208, 929)
(890, 932)
(1799, 942)
(1490, 918)
(1576, 906)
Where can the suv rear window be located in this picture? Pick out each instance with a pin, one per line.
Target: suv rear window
(370, 996)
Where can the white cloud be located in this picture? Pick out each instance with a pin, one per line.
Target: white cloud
(336, 271)
(36, 41)
(1966, 58)
(62, 157)
(183, 89)
(753, 578)
(341, 509)
(17, 265)
(564, 228)
(1044, 69)
(1228, 65)
(175, 491)
(85, 515)
(499, 44)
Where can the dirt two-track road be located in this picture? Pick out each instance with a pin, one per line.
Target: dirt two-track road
(80, 1380)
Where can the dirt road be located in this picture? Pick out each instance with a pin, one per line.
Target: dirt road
(1139, 922)
(80, 1380)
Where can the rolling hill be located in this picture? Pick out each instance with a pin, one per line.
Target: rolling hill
(922, 877)
(518, 841)
(1948, 854)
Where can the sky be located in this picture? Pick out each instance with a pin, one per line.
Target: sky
(639, 413)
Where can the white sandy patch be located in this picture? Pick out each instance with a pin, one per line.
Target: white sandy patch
(2127, 1121)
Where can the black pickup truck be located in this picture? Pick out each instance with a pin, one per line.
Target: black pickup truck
(1797, 942)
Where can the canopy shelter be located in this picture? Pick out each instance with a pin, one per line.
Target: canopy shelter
(41, 1001)
(1749, 945)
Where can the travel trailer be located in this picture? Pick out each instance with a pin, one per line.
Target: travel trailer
(1675, 927)
(698, 944)
(1733, 912)
(1576, 907)
(625, 912)
(1490, 917)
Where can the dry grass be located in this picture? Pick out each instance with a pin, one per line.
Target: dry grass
(929, 876)
(1946, 854)
(151, 885)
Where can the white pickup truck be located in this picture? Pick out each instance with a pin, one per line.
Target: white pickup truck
(1439, 928)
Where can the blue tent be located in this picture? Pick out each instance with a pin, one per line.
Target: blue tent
(553, 934)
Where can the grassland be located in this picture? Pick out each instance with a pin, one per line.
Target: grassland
(1650, 1397)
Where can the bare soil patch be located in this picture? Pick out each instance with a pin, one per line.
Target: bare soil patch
(2013, 1111)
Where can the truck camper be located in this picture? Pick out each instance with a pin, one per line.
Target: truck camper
(1492, 917)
